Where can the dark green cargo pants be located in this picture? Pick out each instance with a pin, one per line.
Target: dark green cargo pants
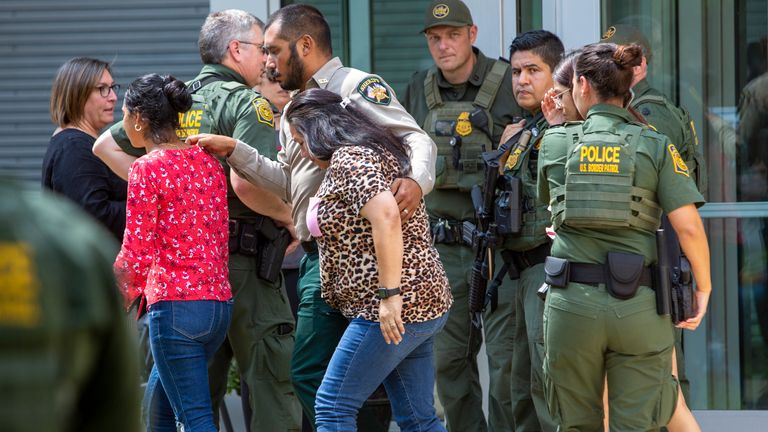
(528, 403)
(458, 383)
(590, 335)
(261, 339)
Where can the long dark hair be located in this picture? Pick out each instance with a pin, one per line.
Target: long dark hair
(609, 67)
(327, 125)
(158, 99)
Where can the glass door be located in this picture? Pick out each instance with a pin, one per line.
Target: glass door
(710, 57)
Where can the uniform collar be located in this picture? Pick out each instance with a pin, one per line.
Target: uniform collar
(222, 71)
(642, 87)
(611, 110)
(478, 71)
(323, 75)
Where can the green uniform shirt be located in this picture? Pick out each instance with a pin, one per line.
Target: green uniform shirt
(657, 115)
(450, 203)
(67, 360)
(660, 173)
(677, 126)
(245, 116)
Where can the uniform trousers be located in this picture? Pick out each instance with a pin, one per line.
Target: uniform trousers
(458, 381)
(529, 406)
(319, 328)
(261, 341)
(589, 335)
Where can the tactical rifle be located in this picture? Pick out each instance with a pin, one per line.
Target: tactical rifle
(483, 237)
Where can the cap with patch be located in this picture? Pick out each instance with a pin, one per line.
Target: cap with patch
(452, 13)
(622, 34)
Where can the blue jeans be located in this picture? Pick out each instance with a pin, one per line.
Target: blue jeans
(363, 360)
(183, 335)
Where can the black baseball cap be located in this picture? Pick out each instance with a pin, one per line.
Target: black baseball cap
(452, 13)
(622, 34)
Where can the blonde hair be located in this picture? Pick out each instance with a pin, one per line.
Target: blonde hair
(74, 82)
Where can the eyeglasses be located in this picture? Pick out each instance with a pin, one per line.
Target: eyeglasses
(558, 97)
(259, 45)
(105, 89)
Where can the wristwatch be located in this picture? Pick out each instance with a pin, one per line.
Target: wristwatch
(383, 293)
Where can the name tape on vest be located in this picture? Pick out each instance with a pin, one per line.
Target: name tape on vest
(599, 159)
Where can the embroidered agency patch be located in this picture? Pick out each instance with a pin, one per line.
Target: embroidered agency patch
(264, 112)
(373, 90)
(680, 166)
(608, 33)
(440, 11)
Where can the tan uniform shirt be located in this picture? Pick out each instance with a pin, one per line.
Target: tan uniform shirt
(296, 179)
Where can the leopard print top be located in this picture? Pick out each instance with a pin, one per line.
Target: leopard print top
(349, 274)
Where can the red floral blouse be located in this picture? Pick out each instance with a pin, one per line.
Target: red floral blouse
(176, 233)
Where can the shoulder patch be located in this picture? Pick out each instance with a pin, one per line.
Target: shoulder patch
(680, 166)
(373, 90)
(264, 112)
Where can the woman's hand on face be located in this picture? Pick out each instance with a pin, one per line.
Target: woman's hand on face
(552, 109)
(702, 300)
(390, 319)
(218, 145)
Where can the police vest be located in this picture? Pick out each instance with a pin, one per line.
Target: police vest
(207, 106)
(689, 149)
(449, 122)
(599, 190)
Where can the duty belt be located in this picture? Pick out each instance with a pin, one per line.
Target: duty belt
(523, 260)
(597, 274)
(446, 231)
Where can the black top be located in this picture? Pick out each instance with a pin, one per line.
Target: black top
(71, 169)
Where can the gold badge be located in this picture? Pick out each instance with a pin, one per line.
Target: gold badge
(440, 11)
(463, 125)
(680, 166)
(264, 112)
(512, 160)
(609, 33)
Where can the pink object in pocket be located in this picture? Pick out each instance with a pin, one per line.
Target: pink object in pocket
(312, 224)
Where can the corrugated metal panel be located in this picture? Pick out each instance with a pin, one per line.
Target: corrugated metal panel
(37, 36)
(399, 48)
